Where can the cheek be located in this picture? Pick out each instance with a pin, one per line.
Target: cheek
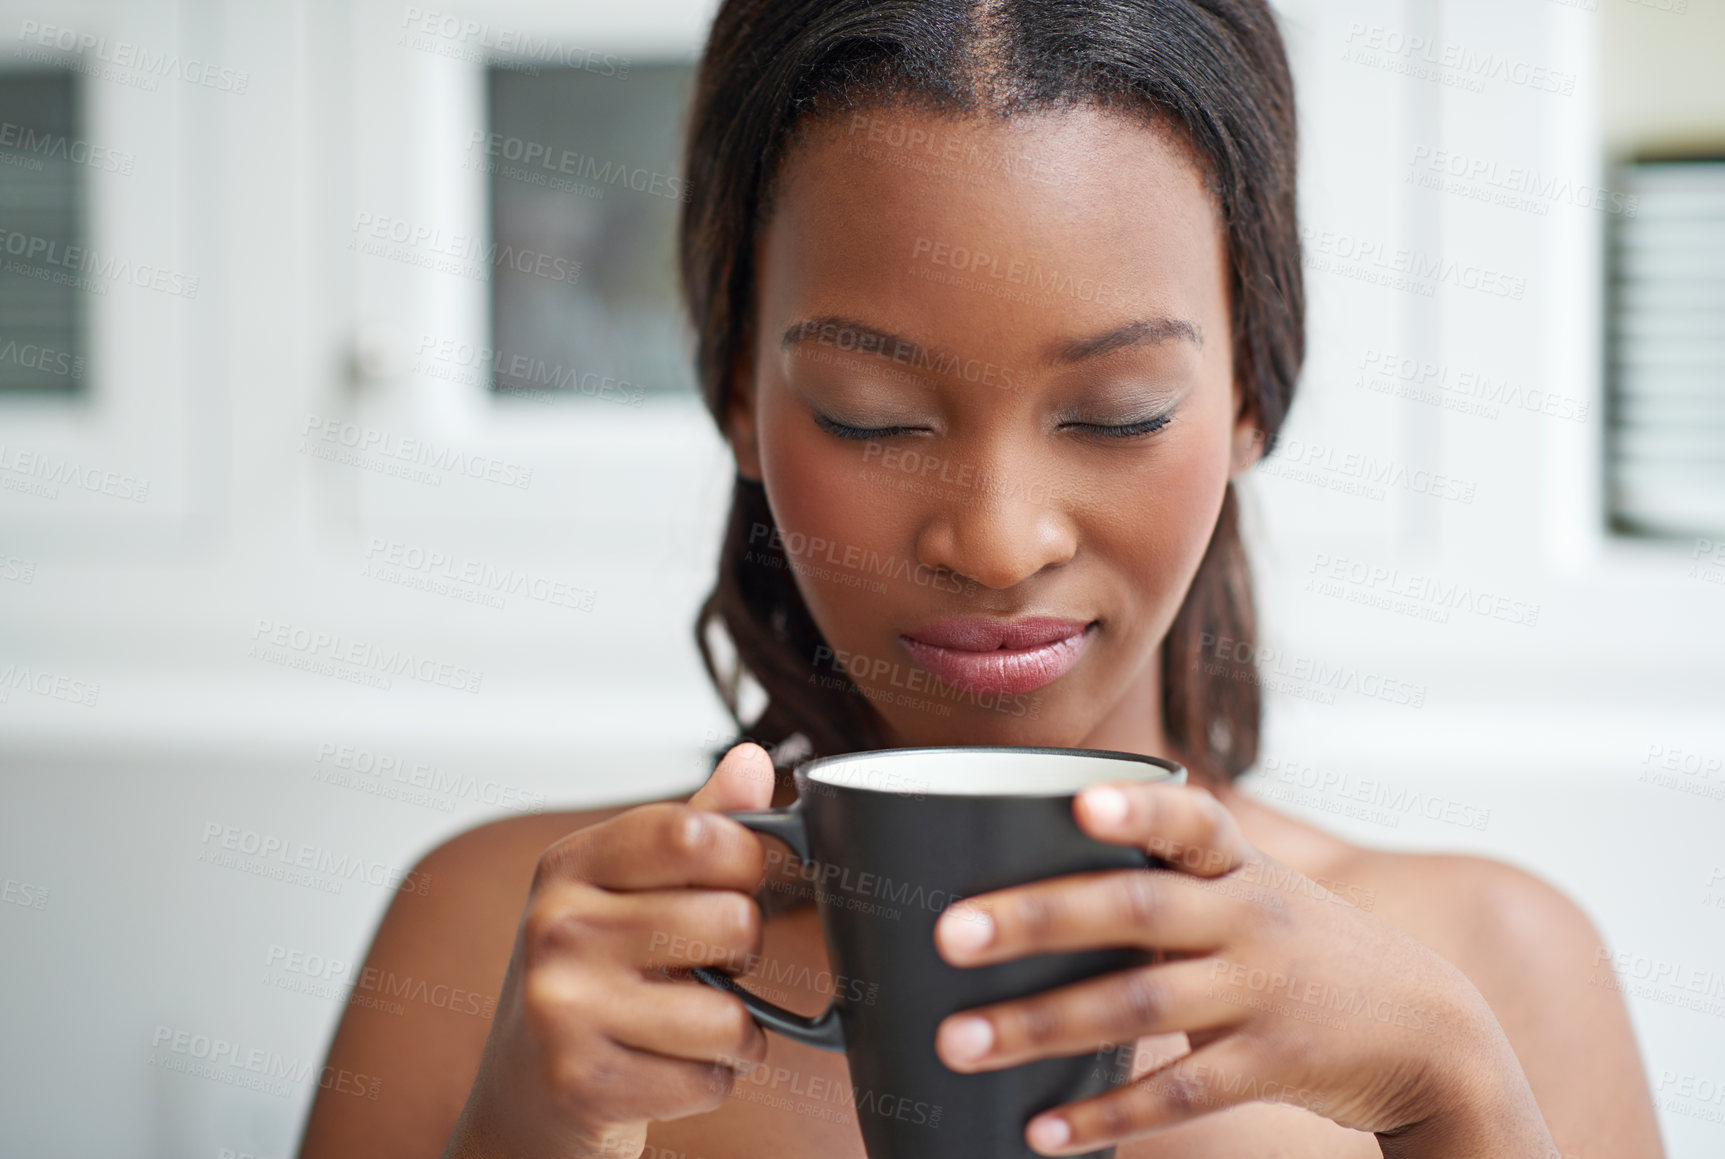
(1156, 519)
(822, 501)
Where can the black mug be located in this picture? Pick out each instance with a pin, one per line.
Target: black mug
(891, 838)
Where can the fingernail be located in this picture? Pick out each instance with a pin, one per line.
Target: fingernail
(1050, 1132)
(968, 1039)
(966, 930)
(1106, 804)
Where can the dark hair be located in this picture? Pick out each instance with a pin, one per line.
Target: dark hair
(1211, 71)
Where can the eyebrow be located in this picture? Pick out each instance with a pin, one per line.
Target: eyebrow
(866, 339)
(1146, 331)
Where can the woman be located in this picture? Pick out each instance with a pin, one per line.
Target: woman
(994, 301)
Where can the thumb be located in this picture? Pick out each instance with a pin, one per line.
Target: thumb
(743, 780)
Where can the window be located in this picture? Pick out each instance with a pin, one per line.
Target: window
(1668, 363)
(585, 186)
(41, 233)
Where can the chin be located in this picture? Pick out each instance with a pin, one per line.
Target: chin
(1025, 720)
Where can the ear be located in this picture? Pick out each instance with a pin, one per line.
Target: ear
(740, 419)
(1247, 444)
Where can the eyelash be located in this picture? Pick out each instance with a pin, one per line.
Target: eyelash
(839, 430)
(1138, 429)
(1142, 427)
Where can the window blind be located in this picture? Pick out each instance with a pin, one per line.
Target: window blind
(1667, 330)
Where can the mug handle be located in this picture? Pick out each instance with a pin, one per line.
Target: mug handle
(824, 1030)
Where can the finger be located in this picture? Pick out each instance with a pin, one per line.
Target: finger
(575, 1013)
(659, 846)
(1105, 1011)
(689, 1020)
(1223, 1074)
(743, 779)
(1151, 908)
(644, 930)
(1184, 825)
(638, 1085)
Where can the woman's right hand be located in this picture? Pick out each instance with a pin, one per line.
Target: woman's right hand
(592, 1041)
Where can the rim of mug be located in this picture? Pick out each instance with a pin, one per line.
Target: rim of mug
(801, 775)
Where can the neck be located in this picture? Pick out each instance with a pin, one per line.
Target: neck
(1134, 724)
(1295, 844)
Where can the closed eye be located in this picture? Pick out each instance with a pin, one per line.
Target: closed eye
(840, 430)
(1126, 431)
(1105, 430)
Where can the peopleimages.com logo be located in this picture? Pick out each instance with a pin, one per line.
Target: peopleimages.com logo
(333, 654)
(363, 446)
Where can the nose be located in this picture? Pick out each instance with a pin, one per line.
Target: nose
(998, 534)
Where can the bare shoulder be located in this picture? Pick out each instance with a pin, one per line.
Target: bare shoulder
(1539, 962)
(410, 1040)
(1487, 915)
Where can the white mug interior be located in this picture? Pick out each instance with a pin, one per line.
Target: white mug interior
(983, 772)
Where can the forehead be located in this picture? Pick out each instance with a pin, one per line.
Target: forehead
(1004, 230)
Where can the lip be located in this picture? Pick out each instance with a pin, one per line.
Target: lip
(978, 654)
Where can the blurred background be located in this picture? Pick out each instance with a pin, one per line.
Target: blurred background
(353, 491)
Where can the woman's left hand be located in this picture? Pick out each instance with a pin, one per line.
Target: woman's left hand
(1286, 991)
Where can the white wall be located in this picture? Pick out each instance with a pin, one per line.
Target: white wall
(1661, 81)
(1539, 733)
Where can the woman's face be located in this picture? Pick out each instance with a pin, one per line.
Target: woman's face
(991, 399)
